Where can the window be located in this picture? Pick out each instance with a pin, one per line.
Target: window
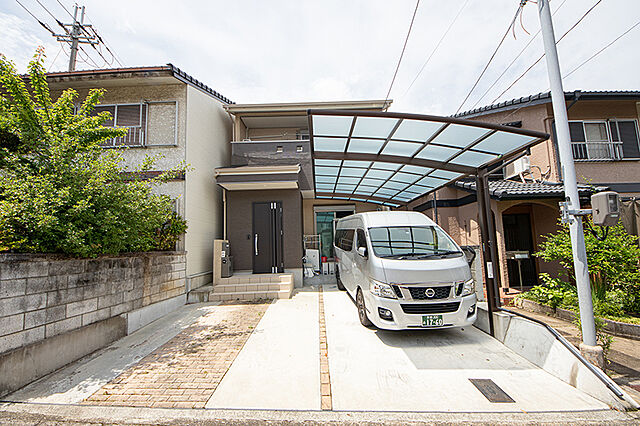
(420, 241)
(133, 117)
(604, 140)
(361, 239)
(344, 239)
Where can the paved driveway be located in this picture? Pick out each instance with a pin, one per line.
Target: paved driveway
(306, 353)
(429, 370)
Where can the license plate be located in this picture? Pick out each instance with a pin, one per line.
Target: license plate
(432, 321)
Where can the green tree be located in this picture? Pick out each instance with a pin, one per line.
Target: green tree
(613, 262)
(59, 190)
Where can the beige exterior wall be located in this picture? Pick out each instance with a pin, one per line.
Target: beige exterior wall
(544, 156)
(208, 131)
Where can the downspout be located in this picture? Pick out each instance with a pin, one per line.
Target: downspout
(224, 214)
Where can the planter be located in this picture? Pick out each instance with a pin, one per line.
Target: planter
(616, 328)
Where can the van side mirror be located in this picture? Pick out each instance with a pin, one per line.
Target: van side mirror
(469, 253)
(362, 251)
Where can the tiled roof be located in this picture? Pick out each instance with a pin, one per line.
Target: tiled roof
(511, 189)
(172, 69)
(546, 97)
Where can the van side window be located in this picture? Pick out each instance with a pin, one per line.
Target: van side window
(361, 239)
(345, 241)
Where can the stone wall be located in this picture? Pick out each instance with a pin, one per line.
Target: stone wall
(42, 296)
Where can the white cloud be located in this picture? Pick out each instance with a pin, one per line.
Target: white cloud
(258, 51)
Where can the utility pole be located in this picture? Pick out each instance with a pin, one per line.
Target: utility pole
(588, 346)
(73, 35)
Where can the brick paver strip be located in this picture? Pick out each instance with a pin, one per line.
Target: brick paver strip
(185, 371)
(325, 378)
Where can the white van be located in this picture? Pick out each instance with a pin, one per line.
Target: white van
(403, 271)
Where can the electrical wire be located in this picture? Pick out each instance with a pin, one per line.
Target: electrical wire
(540, 58)
(601, 50)
(514, 60)
(436, 48)
(56, 57)
(402, 53)
(522, 3)
(45, 26)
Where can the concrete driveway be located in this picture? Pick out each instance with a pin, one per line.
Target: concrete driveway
(429, 370)
(300, 350)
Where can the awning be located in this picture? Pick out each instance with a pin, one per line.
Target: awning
(247, 178)
(394, 158)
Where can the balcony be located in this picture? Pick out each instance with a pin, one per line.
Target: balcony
(275, 152)
(597, 151)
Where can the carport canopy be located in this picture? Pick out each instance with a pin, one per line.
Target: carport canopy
(394, 158)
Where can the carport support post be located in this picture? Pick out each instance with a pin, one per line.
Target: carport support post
(570, 184)
(489, 251)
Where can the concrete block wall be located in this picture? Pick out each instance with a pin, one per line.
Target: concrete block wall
(42, 296)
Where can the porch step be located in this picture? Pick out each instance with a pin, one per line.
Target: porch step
(248, 287)
(250, 295)
(245, 287)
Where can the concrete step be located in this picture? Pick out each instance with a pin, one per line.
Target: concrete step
(257, 287)
(250, 295)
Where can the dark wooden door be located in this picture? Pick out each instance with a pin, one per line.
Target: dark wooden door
(518, 237)
(267, 238)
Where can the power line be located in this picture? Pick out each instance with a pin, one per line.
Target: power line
(65, 8)
(522, 3)
(601, 50)
(436, 48)
(540, 58)
(403, 49)
(579, 66)
(45, 26)
(514, 60)
(88, 58)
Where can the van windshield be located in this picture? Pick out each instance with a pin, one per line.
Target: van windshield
(412, 242)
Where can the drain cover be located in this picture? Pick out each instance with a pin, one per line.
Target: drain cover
(491, 391)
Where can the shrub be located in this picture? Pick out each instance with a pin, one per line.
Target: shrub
(613, 262)
(59, 190)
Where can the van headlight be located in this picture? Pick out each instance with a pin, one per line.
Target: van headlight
(469, 287)
(381, 289)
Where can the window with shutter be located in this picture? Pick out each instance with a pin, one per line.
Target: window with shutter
(133, 117)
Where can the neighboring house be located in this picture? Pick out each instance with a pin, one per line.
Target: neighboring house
(270, 201)
(171, 115)
(605, 145)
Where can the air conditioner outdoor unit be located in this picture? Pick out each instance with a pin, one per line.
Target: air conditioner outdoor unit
(521, 165)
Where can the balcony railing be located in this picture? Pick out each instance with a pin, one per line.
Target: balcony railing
(134, 137)
(593, 151)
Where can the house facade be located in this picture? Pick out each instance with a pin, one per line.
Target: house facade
(525, 195)
(178, 120)
(271, 209)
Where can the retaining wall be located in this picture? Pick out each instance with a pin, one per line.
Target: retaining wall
(56, 309)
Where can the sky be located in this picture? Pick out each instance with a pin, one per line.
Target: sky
(304, 50)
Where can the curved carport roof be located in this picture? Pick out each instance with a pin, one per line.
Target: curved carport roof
(394, 158)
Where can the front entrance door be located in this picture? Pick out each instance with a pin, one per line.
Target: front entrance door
(518, 240)
(267, 238)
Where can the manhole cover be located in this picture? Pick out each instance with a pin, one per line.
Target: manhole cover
(491, 391)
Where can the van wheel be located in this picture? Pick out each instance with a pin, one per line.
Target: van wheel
(362, 310)
(339, 281)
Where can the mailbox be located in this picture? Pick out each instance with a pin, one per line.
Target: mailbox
(605, 208)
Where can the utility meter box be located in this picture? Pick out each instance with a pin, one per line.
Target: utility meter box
(606, 208)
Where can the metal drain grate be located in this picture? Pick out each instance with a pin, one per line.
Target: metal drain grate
(491, 391)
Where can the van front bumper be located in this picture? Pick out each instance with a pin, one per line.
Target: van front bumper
(402, 321)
